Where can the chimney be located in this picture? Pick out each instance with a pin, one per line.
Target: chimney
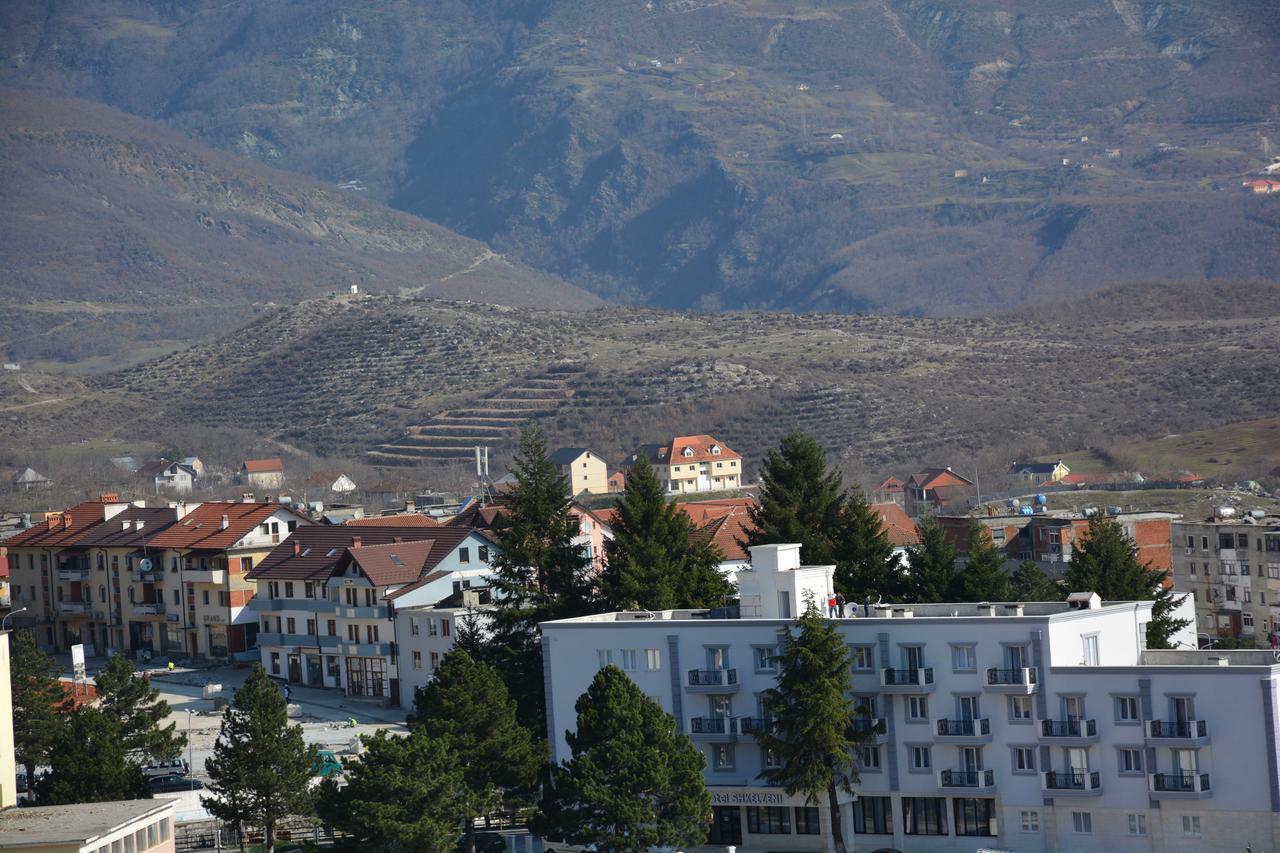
(397, 539)
(226, 522)
(986, 609)
(125, 524)
(297, 549)
(137, 525)
(247, 497)
(355, 541)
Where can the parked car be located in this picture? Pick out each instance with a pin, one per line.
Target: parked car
(173, 782)
(177, 767)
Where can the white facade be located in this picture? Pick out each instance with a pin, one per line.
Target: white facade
(424, 635)
(1036, 727)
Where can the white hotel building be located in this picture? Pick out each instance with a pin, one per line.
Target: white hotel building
(1027, 727)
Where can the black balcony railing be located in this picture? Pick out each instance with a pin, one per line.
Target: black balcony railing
(1069, 728)
(1022, 675)
(1072, 780)
(711, 726)
(754, 725)
(1178, 729)
(866, 725)
(712, 677)
(968, 778)
(909, 677)
(964, 728)
(1180, 782)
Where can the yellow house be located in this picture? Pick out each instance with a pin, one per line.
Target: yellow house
(1040, 472)
(586, 471)
(694, 463)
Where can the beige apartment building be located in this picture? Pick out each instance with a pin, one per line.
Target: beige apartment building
(1230, 563)
(689, 464)
(585, 471)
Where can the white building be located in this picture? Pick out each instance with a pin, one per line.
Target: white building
(425, 633)
(1028, 727)
(179, 478)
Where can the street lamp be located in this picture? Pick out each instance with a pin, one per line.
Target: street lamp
(10, 615)
(191, 770)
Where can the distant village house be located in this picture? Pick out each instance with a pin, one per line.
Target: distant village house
(262, 473)
(585, 471)
(694, 463)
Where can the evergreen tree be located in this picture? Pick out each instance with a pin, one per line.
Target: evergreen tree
(1106, 562)
(632, 782)
(137, 708)
(653, 563)
(931, 566)
(88, 763)
(811, 718)
(403, 793)
(984, 577)
(469, 634)
(800, 500)
(261, 768)
(38, 700)
(866, 565)
(539, 574)
(1030, 583)
(466, 708)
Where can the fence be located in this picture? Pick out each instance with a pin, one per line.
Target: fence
(215, 835)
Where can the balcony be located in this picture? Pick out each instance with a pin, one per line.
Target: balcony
(218, 576)
(154, 609)
(755, 725)
(75, 607)
(1177, 734)
(364, 650)
(310, 641)
(1071, 783)
(968, 780)
(712, 680)
(151, 576)
(1179, 786)
(713, 729)
(347, 611)
(907, 680)
(1069, 732)
(263, 604)
(871, 729)
(964, 731)
(73, 574)
(1019, 680)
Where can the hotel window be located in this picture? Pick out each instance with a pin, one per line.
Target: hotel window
(770, 758)
(769, 820)
(924, 815)
(1024, 759)
(653, 660)
(764, 658)
(417, 660)
(921, 760)
(1137, 824)
(433, 629)
(1082, 822)
(604, 657)
(1030, 821)
(1129, 760)
(1127, 709)
(435, 661)
(917, 709)
(629, 660)
(863, 658)
(1191, 825)
(964, 658)
(973, 816)
(722, 756)
(869, 757)
(806, 820)
(873, 816)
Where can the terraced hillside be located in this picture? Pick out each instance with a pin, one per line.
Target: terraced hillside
(409, 381)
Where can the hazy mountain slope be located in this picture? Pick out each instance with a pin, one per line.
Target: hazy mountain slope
(739, 153)
(116, 214)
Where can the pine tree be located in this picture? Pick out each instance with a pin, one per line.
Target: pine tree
(866, 566)
(653, 561)
(931, 566)
(466, 708)
(1106, 562)
(88, 763)
(800, 500)
(539, 574)
(403, 793)
(1030, 583)
(632, 782)
(38, 700)
(984, 577)
(811, 718)
(261, 768)
(137, 708)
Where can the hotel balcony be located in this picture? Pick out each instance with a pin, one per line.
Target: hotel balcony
(873, 729)
(347, 611)
(1178, 734)
(73, 574)
(1179, 786)
(363, 650)
(966, 780)
(713, 729)
(754, 725)
(964, 731)
(712, 680)
(1021, 680)
(907, 680)
(311, 641)
(1071, 783)
(1069, 732)
(149, 610)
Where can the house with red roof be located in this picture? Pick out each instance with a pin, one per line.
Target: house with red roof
(694, 463)
(889, 491)
(936, 489)
(262, 473)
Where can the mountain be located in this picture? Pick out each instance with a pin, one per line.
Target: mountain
(123, 235)
(897, 156)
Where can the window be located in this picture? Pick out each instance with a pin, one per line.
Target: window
(764, 658)
(873, 816)
(924, 815)
(1191, 541)
(353, 633)
(722, 756)
(288, 589)
(483, 552)
(1090, 649)
(653, 660)
(921, 760)
(604, 657)
(1137, 824)
(417, 660)
(1030, 821)
(164, 830)
(275, 663)
(629, 660)
(973, 816)
(204, 595)
(290, 626)
(224, 598)
(274, 589)
(1020, 709)
(769, 820)
(869, 757)
(413, 627)
(311, 626)
(309, 589)
(1127, 709)
(863, 658)
(332, 666)
(333, 627)
(770, 758)
(1129, 761)
(1246, 617)
(1082, 822)
(371, 633)
(964, 659)
(1024, 759)
(806, 820)
(917, 709)
(1191, 825)
(445, 627)
(464, 555)
(435, 661)
(433, 629)
(177, 598)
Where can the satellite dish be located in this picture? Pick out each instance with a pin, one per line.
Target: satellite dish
(145, 564)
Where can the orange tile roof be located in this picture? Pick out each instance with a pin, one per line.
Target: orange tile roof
(202, 527)
(891, 484)
(393, 562)
(408, 519)
(700, 512)
(727, 532)
(262, 466)
(932, 478)
(701, 446)
(61, 529)
(901, 529)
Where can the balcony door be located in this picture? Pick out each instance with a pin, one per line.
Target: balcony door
(913, 657)
(1078, 761)
(971, 759)
(1015, 657)
(717, 658)
(1073, 708)
(1180, 709)
(1184, 761)
(967, 708)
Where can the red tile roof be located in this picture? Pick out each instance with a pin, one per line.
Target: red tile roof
(313, 552)
(901, 529)
(932, 478)
(891, 484)
(418, 584)
(700, 445)
(262, 466)
(700, 512)
(391, 563)
(727, 532)
(408, 519)
(121, 531)
(202, 529)
(61, 529)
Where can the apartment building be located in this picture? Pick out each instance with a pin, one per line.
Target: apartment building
(1029, 727)
(328, 598)
(425, 633)
(585, 471)
(1230, 563)
(694, 463)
